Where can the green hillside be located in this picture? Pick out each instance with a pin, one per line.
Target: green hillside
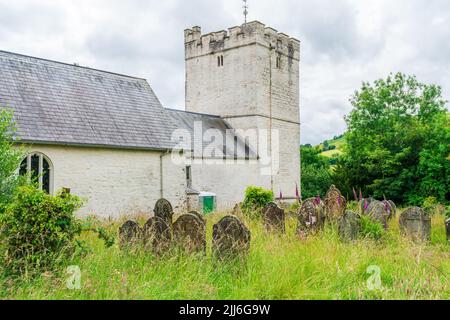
(334, 148)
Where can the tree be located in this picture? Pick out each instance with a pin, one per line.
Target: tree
(397, 142)
(316, 177)
(10, 157)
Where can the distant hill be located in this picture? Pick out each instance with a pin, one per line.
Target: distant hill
(332, 148)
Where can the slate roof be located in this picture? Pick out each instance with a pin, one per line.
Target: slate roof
(186, 120)
(65, 104)
(61, 103)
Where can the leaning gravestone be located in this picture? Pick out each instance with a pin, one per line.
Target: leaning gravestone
(157, 235)
(311, 217)
(130, 235)
(379, 212)
(349, 226)
(164, 210)
(335, 204)
(447, 227)
(274, 218)
(416, 224)
(231, 238)
(189, 233)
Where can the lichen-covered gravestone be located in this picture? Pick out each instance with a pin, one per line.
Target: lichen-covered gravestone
(130, 235)
(231, 238)
(349, 226)
(447, 228)
(164, 210)
(379, 212)
(311, 216)
(157, 235)
(416, 224)
(189, 233)
(335, 204)
(274, 218)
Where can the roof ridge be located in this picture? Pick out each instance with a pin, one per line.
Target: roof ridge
(191, 112)
(70, 64)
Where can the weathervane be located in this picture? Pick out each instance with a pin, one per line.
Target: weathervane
(245, 6)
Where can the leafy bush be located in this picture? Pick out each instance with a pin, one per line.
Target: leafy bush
(430, 204)
(256, 199)
(10, 158)
(371, 229)
(316, 178)
(37, 231)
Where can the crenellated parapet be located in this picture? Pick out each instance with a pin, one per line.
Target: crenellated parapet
(198, 44)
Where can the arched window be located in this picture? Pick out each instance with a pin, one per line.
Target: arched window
(39, 169)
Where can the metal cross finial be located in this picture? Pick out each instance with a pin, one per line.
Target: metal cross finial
(245, 6)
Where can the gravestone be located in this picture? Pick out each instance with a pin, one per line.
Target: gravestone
(164, 210)
(335, 204)
(416, 224)
(231, 238)
(311, 216)
(389, 209)
(349, 226)
(378, 212)
(393, 208)
(201, 217)
(130, 235)
(447, 228)
(157, 235)
(364, 205)
(274, 218)
(189, 233)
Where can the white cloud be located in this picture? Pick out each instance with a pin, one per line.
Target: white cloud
(344, 42)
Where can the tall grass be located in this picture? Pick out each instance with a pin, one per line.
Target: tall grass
(278, 267)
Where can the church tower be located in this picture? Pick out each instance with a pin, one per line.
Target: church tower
(249, 76)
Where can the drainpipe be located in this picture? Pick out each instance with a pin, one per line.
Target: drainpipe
(271, 115)
(161, 172)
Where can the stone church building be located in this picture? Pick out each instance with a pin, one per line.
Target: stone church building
(107, 138)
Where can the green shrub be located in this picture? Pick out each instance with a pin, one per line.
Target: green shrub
(256, 199)
(10, 158)
(371, 229)
(430, 204)
(38, 231)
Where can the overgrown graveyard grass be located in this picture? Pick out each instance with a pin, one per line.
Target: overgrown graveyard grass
(278, 267)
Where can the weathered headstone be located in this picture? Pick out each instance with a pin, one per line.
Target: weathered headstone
(231, 238)
(311, 216)
(378, 212)
(157, 235)
(335, 204)
(447, 228)
(274, 218)
(189, 233)
(416, 224)
(393, 208)
(164, 210)
(364, 205)
(130, 235)
(201, 217)
(349, 226)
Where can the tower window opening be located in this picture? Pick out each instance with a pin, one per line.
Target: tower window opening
(220, 61)
(278, 61)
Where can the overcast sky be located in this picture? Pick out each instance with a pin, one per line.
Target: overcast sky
(344, 42)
